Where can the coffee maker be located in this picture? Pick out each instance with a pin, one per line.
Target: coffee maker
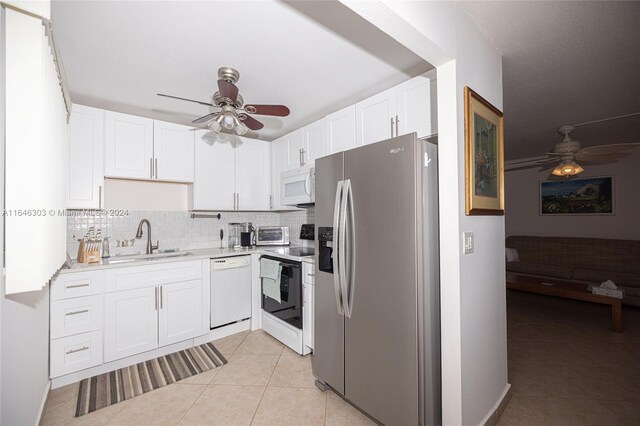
(247, 238)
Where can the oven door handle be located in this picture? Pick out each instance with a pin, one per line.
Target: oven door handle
(336, 239)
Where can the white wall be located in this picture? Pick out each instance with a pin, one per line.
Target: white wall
(145, 196)
(474, 350)
(523, 206)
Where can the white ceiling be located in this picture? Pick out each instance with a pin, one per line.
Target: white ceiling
(564, 63)
(314, 57)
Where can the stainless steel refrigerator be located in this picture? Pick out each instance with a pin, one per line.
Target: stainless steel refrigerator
(377, 339)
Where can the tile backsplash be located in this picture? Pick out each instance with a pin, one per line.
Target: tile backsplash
(176, 229)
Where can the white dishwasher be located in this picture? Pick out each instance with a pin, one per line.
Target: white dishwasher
(230, 290)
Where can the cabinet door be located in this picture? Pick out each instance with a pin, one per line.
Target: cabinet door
(180, 311)
(375, 118)
(417, 106)
(307, 315)
(173, 150)
(278, 152)
(253, 180)
(86, 158)
(294, 143)
(314, 142)
(214, 184)
(129, 146)
(130, 323)
(340, 130)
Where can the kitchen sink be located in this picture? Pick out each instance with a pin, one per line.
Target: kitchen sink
(139, 257)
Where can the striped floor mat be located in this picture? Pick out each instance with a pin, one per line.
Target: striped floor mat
(116, 386)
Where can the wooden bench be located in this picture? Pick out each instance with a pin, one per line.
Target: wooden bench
(568, 290)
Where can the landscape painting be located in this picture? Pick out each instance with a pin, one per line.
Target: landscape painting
(484, 156)
(592, 195)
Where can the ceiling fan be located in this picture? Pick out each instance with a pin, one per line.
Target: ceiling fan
(233, 114)
(566, 156)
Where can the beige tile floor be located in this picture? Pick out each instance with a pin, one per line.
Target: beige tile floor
(264, 383)
(567, 367)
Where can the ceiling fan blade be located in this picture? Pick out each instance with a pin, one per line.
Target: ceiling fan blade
(228, 90)
(185, 99)
(204, 118)
(608, 149)
(250, 122)
(601, 159)
(548, 166)
(277, 110)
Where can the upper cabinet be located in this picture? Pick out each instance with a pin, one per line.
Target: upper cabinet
(294, 143)
(86, 158)
(340, 130)
(129, 146)
(141, 148)
(416, 103)
(408, 107)
(314, 142)
(231, 173)
(173, 152)
(375, 118)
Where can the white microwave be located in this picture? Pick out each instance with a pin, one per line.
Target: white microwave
(298, 186)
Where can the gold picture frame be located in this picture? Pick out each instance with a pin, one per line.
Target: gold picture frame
(484, 156)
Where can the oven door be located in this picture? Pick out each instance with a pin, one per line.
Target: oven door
(289, 309)
(298, 186)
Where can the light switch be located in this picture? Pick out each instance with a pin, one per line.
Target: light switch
(467, 241)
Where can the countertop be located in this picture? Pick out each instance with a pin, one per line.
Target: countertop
(192, 254)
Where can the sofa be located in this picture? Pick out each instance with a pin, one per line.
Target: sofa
(590, 260)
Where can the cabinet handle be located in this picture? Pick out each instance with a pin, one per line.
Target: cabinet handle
(99, 197)
(78, 285)
(270, 202)
(84, 311)
(160, 297)
(391, 126)
(72, 351)
(156, 294)
(310, 274)
(238, 202)
(156, 167)
(151, 168)
(397, 121)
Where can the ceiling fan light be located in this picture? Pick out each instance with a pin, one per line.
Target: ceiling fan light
(228, 121)
(241, 129)
(214, 125)
(567, 168)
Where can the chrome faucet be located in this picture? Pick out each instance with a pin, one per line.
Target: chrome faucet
(150, 246)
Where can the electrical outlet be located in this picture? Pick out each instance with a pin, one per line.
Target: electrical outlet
(467, 241)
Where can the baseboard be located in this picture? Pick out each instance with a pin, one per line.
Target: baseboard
(43, 404)
(492, 418)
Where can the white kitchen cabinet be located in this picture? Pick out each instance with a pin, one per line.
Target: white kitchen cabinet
(278, 154)
(76, 352)
(314, 142)
(294, 143)
(406, 108)
(173, 147)
(131, 322)
(129, 146)
(416, 103)
(231, 173)
(180, 314)
(308, 294)
(253, 185)
(214, 183)
(86, 158)
(340, 130)
(375, 118)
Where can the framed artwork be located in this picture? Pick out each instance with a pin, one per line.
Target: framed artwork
(484, 156)
(586, 196)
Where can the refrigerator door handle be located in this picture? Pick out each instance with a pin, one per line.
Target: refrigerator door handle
(342, 252)
(350, 280)
(336, 247)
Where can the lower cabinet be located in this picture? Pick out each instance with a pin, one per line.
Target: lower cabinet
(131, 323)
(139, 309)
(141, 320)
(180, 312)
